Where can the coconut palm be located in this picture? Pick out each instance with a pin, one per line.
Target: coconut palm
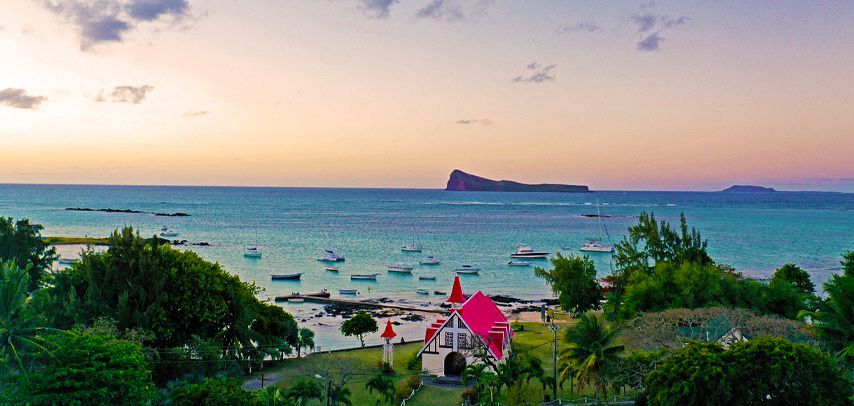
(19, 333)
(591, 349)
(833, 319)
(271, 396)
(305, 338)
(383, 385)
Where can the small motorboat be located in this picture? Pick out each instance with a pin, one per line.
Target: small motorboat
(252, 252)
(467, 269)
(400, 267)
(331, 268)
(348, 292)
(422, 291)
(400, 271)
(524, 251)
(364, 277)
(592, 246)
(164, 232)
(439, 292)
(518, 263)
(330, 257)
(430, 261)
(289, 276)
(66, 261)
(427, 278)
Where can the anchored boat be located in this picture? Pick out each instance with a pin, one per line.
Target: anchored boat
(289, 276)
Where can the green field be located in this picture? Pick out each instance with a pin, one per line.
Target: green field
(535, 338)
(76, 240)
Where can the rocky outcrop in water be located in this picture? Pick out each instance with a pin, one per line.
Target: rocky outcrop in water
(127, 211)
(465, 182)
(748, 189)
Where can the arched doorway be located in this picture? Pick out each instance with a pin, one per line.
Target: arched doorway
(455, 363)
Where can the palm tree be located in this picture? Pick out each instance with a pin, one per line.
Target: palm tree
(19, 333)
(339, 394)
(271, 396)
(237, 338)
(305, 338)
(383, 385)
(833, 319)
(591, 349)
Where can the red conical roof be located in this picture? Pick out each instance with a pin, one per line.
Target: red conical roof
(457, 292)
(389, 331)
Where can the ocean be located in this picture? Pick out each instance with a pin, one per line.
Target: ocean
(755, 232)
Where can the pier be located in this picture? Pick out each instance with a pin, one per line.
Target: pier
(329, 300)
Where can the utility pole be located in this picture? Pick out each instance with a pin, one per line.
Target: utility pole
(554, 360)
(262, 381)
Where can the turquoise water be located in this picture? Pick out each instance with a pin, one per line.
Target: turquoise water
(754, 232)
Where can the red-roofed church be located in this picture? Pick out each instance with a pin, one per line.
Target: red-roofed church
(475, 326)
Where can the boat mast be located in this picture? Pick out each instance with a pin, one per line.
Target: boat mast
(602, 221)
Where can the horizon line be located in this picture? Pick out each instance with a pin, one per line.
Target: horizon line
(399, 188)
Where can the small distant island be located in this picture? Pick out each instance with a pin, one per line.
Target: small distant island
(465, 182)
(748, 189)
(128, 211)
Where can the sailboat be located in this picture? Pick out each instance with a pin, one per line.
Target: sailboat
(415, 246)
(592, 245)
(253, 251)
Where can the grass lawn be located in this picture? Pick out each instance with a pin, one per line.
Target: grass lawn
(534, 338)
(76, 240)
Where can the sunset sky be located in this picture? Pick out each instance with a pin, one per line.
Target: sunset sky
(669, 95)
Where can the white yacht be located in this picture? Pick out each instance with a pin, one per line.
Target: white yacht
(400, 268)
(467, 269)
(430, 261)
(524, 251)
(415, 246)
(330, 257)
(592, 246)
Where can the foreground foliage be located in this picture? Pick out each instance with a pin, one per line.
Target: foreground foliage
(185, 302)
(573, 280)
(763, 370)
(22, 243)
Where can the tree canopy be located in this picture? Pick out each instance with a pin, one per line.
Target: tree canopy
(22, 242)
(359, 325)
(89, 368)
(573, 279)
(762, 370)
(793, 274)
(175, 295)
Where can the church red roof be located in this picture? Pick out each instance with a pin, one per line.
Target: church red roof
(483, 317)
(457, 292)
(389, 331)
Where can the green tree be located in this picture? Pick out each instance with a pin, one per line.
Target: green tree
(483, 380)
(21, 335)
(773, 370)
(848, 263)
(591, 350)
(271, 396)
(339, 395)
(693, 375)
(176, 295)
(90, 369)
(573, 279)
(793, 274)
(833, 319)
(213, 392)
(23, 243)
(305, 338)
(763, 370)
(651, 242)
(359, 325)
(304, 390)
(383, 386)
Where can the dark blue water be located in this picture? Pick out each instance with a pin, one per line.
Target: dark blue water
(755, 232)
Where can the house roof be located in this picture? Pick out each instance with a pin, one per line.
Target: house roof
(482, 317)
(389, 331)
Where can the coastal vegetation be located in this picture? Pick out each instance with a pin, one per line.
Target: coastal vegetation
(128, 324)
(686, 329)
(359, 325)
